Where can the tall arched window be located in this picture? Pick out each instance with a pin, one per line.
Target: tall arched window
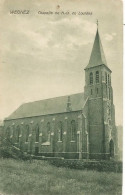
(48, 131)
(8, 132)
(91, 78)
(60, 131)
(73, 130)
(37, 133)
(27, 132)
(97, 76)
(106, 77)
(17, 133)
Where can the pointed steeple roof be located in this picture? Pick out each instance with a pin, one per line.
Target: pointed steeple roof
(97, 55)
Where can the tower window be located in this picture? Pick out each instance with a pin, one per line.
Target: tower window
(97, 90)
(109, 111)
(106, 77)
(109, 96)
(97, 76)
(91, 78)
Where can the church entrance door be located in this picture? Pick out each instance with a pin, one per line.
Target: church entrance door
(111, 148)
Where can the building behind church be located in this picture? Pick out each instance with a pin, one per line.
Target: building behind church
(77, 126)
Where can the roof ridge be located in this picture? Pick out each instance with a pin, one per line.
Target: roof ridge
(52, 98)
(45, 107)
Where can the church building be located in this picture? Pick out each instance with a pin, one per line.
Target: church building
(76, 126)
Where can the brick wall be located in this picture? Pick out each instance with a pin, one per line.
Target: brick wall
(48, 143)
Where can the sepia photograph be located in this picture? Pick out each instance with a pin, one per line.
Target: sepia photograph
(61, 97)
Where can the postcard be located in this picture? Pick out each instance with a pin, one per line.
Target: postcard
(61, 97)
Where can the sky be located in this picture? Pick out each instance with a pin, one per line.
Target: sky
(44, 56)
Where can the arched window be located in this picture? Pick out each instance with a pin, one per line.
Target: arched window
(27, 133)
(91, 78)
(17, 133)
(106, 77)
(73, 130)
(8, 132)
(37, 133)
(60, 131)
(48, 131)
(97, 76)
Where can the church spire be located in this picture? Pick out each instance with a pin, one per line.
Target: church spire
(97, 55)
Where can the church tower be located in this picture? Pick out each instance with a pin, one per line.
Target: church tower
(101, 112)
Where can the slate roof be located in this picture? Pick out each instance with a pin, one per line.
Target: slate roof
(97, 55)
(48, 106)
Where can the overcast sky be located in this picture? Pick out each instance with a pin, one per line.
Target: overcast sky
(44, 56)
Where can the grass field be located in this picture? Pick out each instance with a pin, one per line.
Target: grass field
(40, 178)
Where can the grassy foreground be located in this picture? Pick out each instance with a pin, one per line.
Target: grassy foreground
(40, 178)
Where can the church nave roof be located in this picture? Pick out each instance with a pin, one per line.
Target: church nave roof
(49, 106)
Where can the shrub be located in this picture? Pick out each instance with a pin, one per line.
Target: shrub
(8, 150)
(107, 166)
